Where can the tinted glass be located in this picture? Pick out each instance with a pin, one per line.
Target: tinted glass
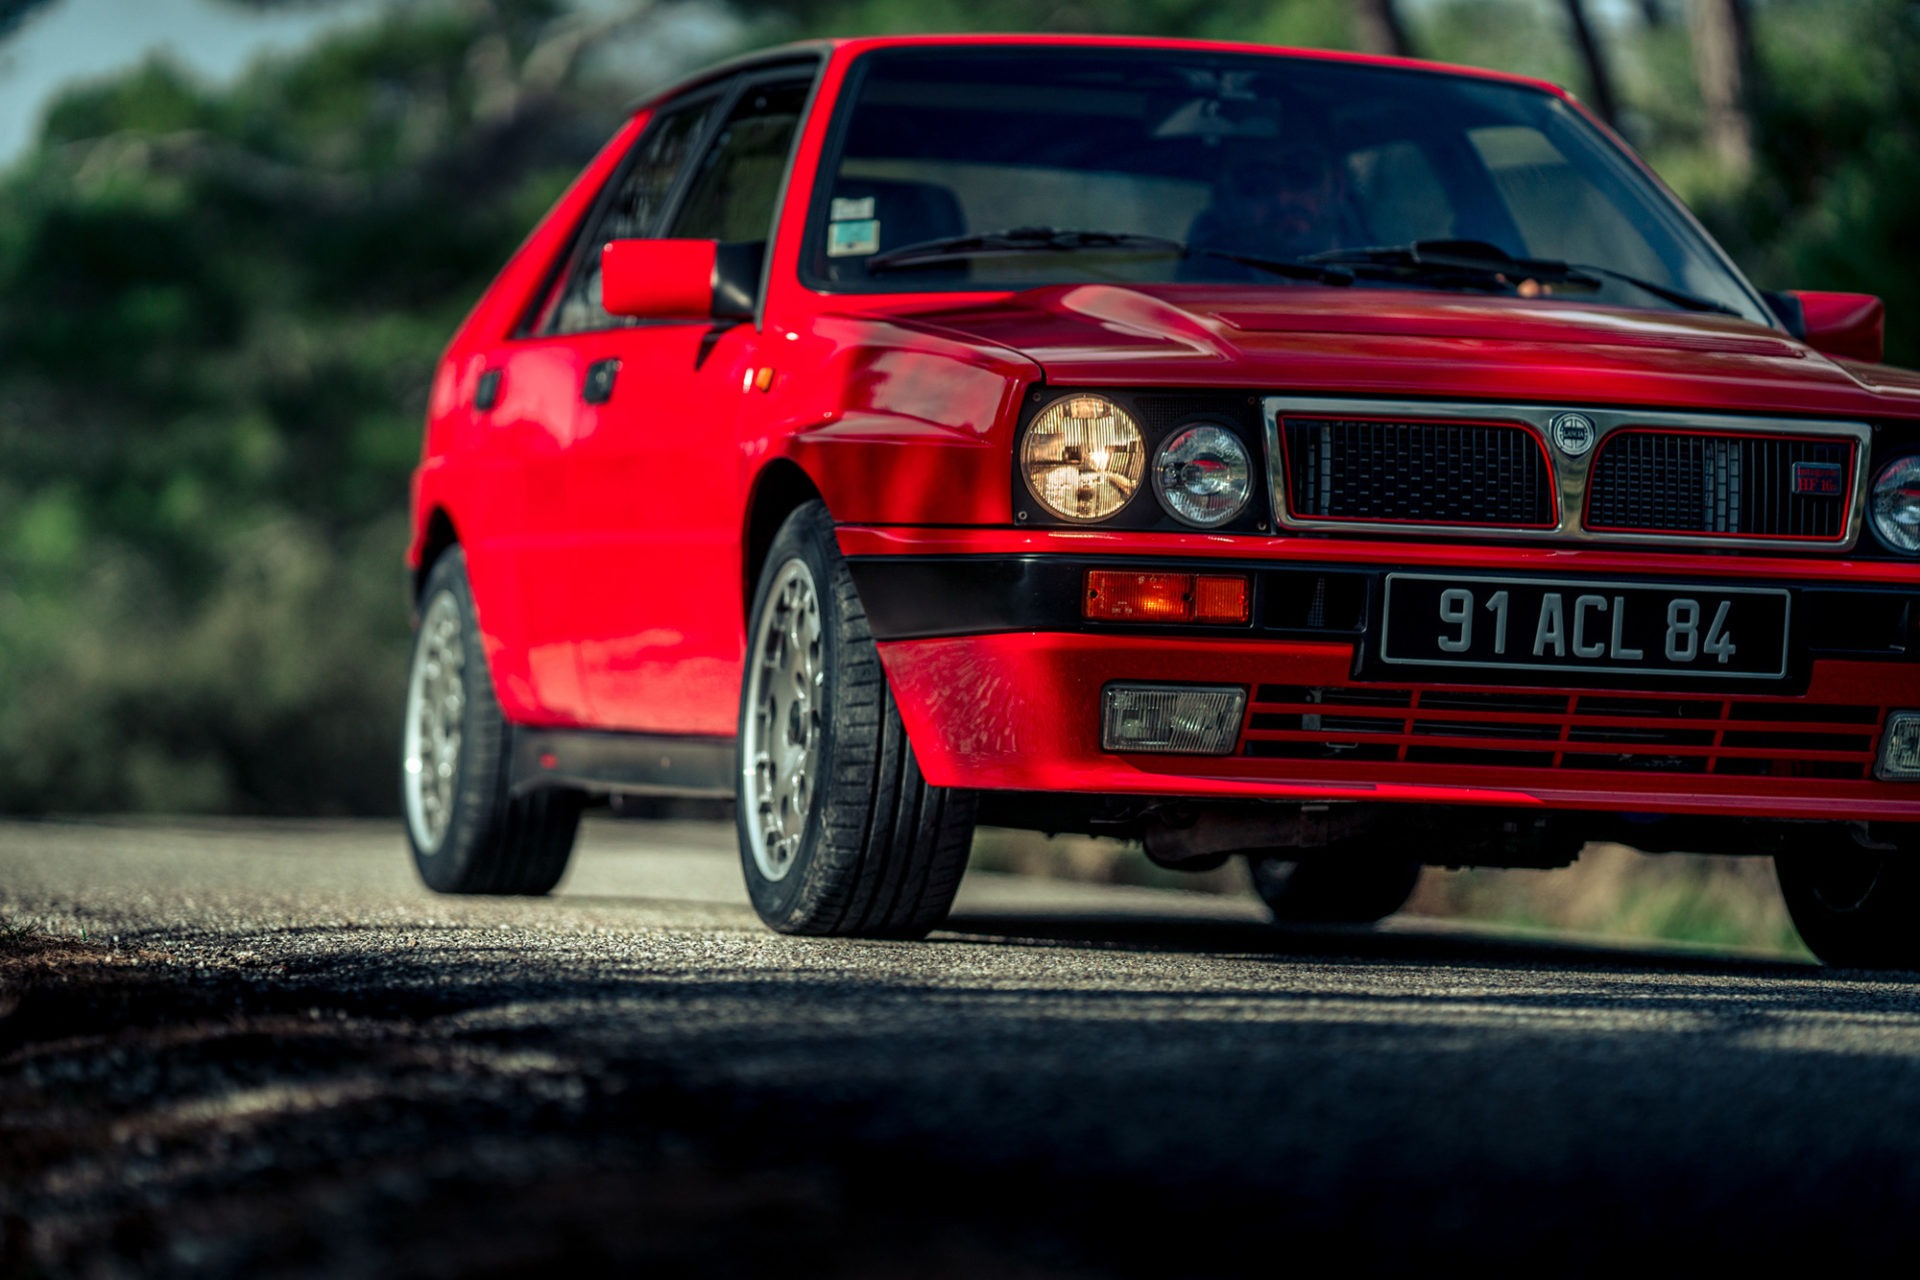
(637, 205)
(738, 180)
(1268, 156)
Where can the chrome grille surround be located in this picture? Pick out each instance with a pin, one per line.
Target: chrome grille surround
(1570, 474)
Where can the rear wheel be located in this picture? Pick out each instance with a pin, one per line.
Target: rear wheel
(1334, 889)
(1856, 908)
(839, 832)
(468, 833)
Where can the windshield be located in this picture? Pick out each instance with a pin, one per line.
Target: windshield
(1188, 164)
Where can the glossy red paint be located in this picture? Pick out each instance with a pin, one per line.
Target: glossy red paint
(1021, 711)
(490, 474)
(658, 279)
(1852, 326)
(1312, 340)
(606, 539)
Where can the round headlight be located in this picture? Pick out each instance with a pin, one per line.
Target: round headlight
(1203, 475)
(1082, 458)
(1896, 505)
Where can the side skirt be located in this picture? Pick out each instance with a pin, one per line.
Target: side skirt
(645, 764)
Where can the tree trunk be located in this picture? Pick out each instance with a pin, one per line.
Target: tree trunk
(1599, 78)
(1723, 64)
(1378, 28)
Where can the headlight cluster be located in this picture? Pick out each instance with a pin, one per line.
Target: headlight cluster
(1083, 459)
(1895, 505)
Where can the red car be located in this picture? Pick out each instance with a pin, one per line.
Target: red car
(1347, 463)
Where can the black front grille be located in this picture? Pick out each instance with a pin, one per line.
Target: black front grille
(1737, 486)
(1486, 475)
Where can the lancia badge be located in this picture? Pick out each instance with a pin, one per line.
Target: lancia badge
(1573, 433)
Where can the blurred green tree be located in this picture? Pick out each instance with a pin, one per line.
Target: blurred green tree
(218, 313)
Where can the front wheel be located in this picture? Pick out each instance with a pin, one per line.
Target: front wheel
(1855, 908)
(839, 832)
(1333, 889)
(468, 832)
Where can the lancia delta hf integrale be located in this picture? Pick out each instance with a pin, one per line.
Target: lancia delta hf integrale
(1344, 463)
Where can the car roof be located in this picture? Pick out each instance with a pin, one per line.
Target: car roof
(820, 49)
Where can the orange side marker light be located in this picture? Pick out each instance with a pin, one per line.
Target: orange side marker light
(1117, 596)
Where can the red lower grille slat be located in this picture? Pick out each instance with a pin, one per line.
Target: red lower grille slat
(1565, 731)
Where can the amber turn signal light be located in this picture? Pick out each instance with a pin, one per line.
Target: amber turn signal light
(1115, 596)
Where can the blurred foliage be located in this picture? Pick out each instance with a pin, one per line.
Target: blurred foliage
(1615, 892)
(219, 308)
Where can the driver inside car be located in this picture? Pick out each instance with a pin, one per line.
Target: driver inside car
(1281, 202)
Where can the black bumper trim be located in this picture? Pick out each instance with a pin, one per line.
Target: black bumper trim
(647, 764)
(923, 597)
(916, 597)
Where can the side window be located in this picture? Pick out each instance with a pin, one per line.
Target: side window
(738, 181)
(635, 209)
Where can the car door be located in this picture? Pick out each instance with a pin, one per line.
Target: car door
(536, 385)
(516, 551)
(522, 534)
(652, 470)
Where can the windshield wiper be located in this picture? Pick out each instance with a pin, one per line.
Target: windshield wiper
(1023, 240)
(1477, 264)
(948, 249)
(1291, 268)
(1678, 297)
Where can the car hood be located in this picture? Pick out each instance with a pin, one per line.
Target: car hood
(1407, 343)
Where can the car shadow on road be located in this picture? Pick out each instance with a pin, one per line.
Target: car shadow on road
(1403, 941)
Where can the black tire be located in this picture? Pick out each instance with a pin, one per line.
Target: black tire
(1855, 908)
(472, 836)
(864, 847)
(1339, 888)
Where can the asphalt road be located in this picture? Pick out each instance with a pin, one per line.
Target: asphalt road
(265, 1050)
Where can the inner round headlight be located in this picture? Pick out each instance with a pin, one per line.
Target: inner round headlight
(1082, 458)
(1896, 505)
(1203, 475)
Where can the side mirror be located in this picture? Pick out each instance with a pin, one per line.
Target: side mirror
(1851, 326)
(681, 279)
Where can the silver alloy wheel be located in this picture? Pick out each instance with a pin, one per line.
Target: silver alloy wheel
(780, 758)
(436, 712)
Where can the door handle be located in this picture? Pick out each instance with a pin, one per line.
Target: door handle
(598, 388)
(487, 393)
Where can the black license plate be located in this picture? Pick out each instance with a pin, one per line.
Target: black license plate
(1535, 624)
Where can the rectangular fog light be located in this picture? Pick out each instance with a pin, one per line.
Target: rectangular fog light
(1178, 719)
(1900, 748)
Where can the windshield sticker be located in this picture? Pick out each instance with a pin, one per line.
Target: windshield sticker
(854, 238)
(845, 209)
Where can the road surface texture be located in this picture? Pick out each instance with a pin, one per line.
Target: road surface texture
(264, 1050)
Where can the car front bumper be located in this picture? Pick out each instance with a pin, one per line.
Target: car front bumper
(1000, 682)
